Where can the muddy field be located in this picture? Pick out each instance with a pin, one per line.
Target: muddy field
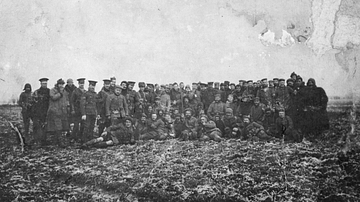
(171, 170)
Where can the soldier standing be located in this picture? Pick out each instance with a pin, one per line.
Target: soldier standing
(151, 95)
(132, 98)
(101, 105)
(88, 111)
(57, 116)
(26, 102)
(75, 100)
(41, 98)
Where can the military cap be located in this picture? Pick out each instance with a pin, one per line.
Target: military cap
(162, 86)
(69, 81)
(277, 79)
(131, 82)
(289, 80)
(243, 81)
(60, 81)
(292, 74)
(267, 109)
(129, 119)
(141, 84)
(228, 110)
(264, 79)
(124, 82)
(222, 84)
(107, 81)
(271, 81)
(43, 79)
(188, 109)
(281, 79)
(299, 78)
(150, 85)
(226, 83)
(217, 83)
(232, 84)
(93, 83)
(118, 86)
(202, 84)
(194, 83)
(237, 85)
(210, 83)
(175, 84)
(81, 80)
(143, 115)
(281, 109)
(249, 81)
(112, 78)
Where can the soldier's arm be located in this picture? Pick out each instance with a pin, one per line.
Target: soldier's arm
(82, 104)
(21, 100)
(107, 105)
(125, 105)
(55, 95)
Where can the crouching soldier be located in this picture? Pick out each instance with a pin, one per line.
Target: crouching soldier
(189, 131)
(285, 128)
(207, 130)
(122, 133)
(155, 129)
(231, 122)
(116, 106)
(253, 130)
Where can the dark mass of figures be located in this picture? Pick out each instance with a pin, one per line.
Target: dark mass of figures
(264, 110)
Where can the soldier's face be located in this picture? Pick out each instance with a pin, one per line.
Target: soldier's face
(276, 82)
(256, 103)
(128, 123)
(91, 87)
(153, 117)
(123, 85)
(203, 120)
(232, 87)
(281, 114)
(81, 85)
(282, 83)
(113, 82)
(70, 83)
(142, 88)
(131, 86)
(271, 84)
(246, 120)
(150, 108)
(228, 114)
(188, 114)
(43, 84)
(290, 83)
(298, 82)
(217, 98)
(117, 91)
(143, 119)
(194, 87)
(181, 85)
(106, 85)
(61, 86)
(186, 100)
(250, 84)
(241, 83)
(176, 86)
(230, 98)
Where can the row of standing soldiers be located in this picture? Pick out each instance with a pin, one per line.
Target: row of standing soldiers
(53, 110)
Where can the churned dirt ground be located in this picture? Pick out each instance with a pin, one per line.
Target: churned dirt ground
(171, 170)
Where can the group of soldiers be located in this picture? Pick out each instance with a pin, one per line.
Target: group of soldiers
(260, 110)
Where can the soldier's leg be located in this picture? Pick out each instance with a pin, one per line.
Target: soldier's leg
(89, 134)
(76, 130)
(26, 120)
(215, 135)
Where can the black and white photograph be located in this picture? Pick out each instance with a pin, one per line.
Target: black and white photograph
(179, 100)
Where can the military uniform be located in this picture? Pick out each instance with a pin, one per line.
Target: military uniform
(26, 102)
(101, 106)
(216, 108)
(89, 109)
(75, 100)
(116, 108)
(132, 98)
(41, 98)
